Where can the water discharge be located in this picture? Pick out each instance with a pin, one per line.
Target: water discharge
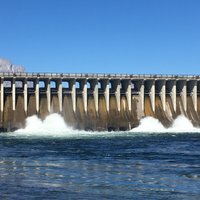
(55, 126)
(53, 122)
(180, 125)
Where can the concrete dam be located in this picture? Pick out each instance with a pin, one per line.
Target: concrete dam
(98, 101)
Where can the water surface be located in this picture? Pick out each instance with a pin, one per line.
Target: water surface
(121, 165)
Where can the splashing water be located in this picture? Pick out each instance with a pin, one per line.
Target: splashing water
(149, 124)
(55, 126)
(180, 125)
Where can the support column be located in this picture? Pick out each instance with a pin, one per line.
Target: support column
(105, 87)
(173, 94)
(163, 95)
(2, 94)
(194, 95)
(48, 92)
(128, 94)
(37, 93)
(84, 93)
(117, 84)
(73, 92)
(142, 95)
(25, 96)
(94, 84)
(107, 95)
(60, 94)
(13, 94)
(184, 95)
(152, 94)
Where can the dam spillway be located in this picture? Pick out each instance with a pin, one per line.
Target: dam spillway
(97, 101)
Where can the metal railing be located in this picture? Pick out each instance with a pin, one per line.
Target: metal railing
(93, 75)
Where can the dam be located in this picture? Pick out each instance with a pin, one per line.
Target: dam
(98, 101)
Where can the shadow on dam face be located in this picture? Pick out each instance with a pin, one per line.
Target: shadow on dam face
(97, 101)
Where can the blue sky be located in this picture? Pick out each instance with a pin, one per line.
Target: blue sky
(102, 36)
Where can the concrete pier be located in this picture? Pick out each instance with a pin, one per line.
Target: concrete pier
(48, 92)
(106, 88)
(2, 94)
(171, 87)
(60, 95)
(73, 93)
(125, 95)
(94, 87)
(25, 95)
(127, 88)
(84, 93)
(161, 92)
(37, 95)
(150, 91)
(192, 91)
(13, 94)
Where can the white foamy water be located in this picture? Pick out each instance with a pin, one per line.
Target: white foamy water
(180, 125)
(55, 126)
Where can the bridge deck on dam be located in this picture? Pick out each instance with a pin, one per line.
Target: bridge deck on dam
(97, 101)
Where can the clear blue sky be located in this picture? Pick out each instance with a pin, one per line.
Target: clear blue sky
(105, 36)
